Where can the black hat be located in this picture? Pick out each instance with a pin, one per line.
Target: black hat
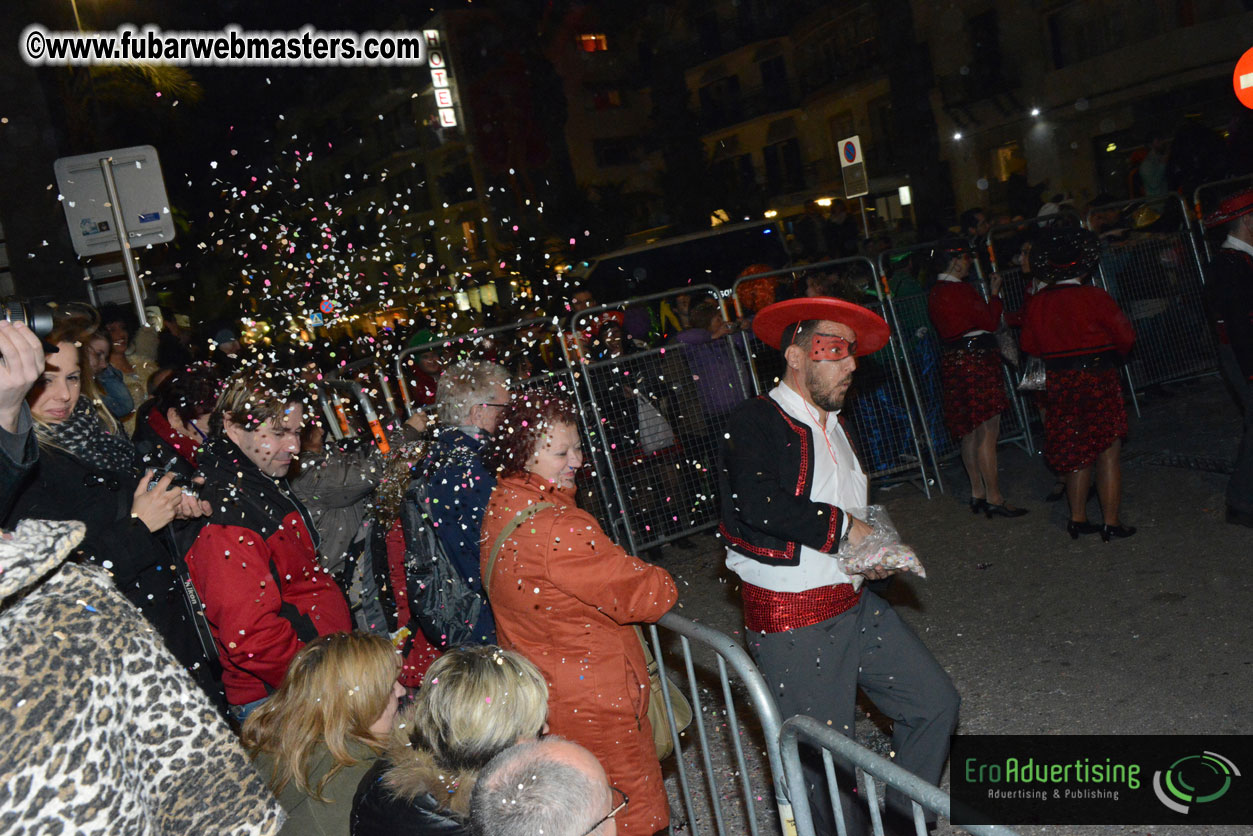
(947, 249)
(1063, 253)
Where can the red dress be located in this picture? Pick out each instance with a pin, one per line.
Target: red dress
(1084, 412)
(972, 380)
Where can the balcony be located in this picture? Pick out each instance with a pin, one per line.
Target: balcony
(983, 80)
(750, 104)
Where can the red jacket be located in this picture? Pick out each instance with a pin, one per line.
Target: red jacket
(956, 308)
(1069, 320)
(564, 595)
(256, 569)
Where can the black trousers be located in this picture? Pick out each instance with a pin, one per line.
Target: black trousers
(817, 670)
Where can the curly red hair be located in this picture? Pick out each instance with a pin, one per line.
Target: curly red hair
(522, 427)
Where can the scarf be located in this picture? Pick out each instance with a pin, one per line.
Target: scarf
(84, 436)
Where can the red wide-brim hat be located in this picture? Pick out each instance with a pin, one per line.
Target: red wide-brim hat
(1231, 208)
(871, 329)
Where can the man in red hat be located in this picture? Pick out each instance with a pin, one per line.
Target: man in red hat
(1230, 283)
(790, 482)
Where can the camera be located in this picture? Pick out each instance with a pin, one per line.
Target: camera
(37, 316)
(179, 482)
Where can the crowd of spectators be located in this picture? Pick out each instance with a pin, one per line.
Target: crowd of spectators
(281, 581)
(439, 638)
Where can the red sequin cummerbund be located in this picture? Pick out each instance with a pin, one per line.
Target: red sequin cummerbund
(767, 611)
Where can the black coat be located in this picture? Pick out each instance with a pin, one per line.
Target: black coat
(764, 481)
(64, 487)
(15, 468)
(1230, 288)
(377, 812)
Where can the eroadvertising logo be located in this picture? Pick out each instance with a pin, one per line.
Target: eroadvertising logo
(1100, 779)
(1194, 780)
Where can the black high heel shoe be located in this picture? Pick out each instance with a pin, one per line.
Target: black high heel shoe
(1074, 529)
(1003, 510)
(978, 505)
(1120, 530)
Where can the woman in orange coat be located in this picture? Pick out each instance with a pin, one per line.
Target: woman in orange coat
(565, 596)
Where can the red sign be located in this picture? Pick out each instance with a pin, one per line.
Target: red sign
(1242, 79)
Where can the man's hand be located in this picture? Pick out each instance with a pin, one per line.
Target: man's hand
(858, 531)
(21, 364)
(190, 507)
(417, 420)
(995, 283)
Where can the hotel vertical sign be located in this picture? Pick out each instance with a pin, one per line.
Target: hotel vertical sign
(441, 79)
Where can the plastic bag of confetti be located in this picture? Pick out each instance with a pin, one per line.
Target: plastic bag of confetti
(881, 549)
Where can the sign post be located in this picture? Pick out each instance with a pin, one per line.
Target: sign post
(856, 183)
(114, 201)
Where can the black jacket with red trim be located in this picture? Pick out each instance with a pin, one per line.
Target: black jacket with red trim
(765, 477)
(254, 563)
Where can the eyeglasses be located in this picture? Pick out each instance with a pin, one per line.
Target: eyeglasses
(613, 792)
(831, 347)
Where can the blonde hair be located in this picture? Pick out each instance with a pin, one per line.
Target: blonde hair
(474, 703)
(77, 329)
(336, 687)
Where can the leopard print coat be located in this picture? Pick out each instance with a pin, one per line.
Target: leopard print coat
(103, 732)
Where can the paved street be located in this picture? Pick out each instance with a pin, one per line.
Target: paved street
(1042, 634)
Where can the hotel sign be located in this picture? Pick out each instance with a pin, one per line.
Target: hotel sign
(441, 79)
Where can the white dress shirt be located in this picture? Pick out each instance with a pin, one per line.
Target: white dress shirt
(838, 480)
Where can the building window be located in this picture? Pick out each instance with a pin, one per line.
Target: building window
(1005, 161)
(620, 150)
(606, 99)
(774, 75)
(841, 126)
(589, 42)
(881, 134)
(784, 169)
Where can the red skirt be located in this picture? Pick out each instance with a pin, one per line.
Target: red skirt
(1084, 414)
(974, 389)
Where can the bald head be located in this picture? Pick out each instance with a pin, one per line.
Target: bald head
(551, 787)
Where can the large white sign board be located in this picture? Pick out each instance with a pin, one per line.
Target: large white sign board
(145, 209)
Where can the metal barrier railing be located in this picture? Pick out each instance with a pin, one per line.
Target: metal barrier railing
(469, 343)
(1156, 276)
(1015, 290)
(924, 796)
(920, 348)
(1205, 199)
(656, 417)
(338, 419)
(729, 653)
(594, 493)
(880, 407)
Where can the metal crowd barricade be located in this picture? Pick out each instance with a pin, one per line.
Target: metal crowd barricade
(458, 347)
(594, 493)
(880, 407)
(752, 689)
(655, 418)
(1003, 243)
(1156, 277)
(925, 796)
(1206, 199)
(369, 415)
